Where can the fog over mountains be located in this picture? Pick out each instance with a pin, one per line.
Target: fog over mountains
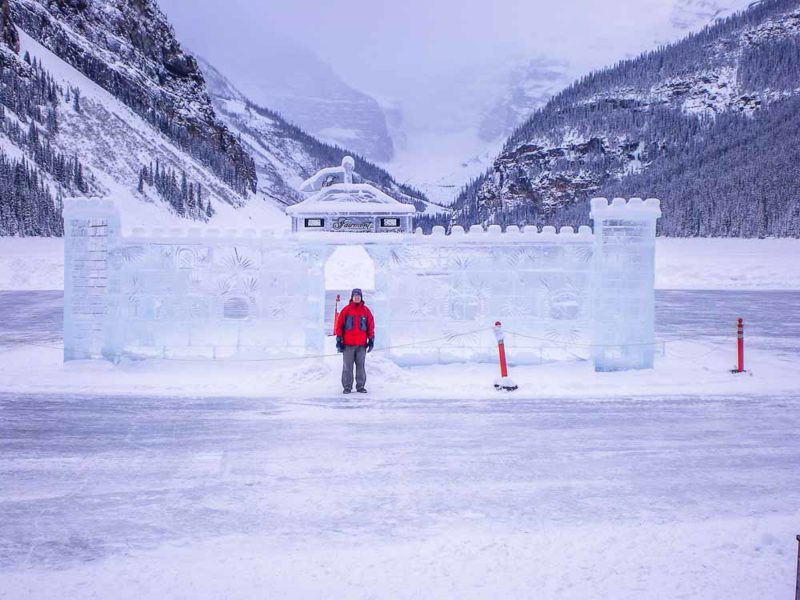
(451, 87)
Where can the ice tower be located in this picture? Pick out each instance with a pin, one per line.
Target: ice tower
(624, 283)
(90, 228)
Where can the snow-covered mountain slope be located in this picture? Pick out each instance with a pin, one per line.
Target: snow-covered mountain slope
(673, 122)
(454, 126)
(130, 50)
(284, 154)
(531, 83)
(690, 15)
(100, 100)
(530, 86)
(113, 143)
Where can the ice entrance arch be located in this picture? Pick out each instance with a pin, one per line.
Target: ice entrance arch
(347, 267)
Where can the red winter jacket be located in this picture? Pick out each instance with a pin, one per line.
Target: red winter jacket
(355, 324)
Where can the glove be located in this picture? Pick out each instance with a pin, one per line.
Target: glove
(339, 344)
(370, 344)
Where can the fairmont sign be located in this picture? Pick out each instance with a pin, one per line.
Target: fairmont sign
(360, 225)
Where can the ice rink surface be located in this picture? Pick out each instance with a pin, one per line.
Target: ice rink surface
(690, 496)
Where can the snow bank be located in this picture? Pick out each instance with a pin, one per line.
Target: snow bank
(31, 263)
(686, 368)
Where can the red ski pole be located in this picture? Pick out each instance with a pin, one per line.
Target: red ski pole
(336, 312)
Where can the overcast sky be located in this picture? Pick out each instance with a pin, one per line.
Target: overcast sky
(383, 46)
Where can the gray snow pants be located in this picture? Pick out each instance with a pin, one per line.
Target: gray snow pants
(354, 355)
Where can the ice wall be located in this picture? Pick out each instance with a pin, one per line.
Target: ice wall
(435, 291)
(624, 283)
(195, 294)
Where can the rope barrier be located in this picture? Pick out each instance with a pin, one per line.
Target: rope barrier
(314, 356)
(551, 342)
(284, 358)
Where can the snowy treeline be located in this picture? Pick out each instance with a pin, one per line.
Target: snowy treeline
(708, 125)
(185, 198)
(27, 206)
(740, 178)
(35, 97)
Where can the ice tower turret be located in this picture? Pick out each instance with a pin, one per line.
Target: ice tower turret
(624, 283)
(90, 230)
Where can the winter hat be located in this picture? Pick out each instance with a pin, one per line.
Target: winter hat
(356, 291)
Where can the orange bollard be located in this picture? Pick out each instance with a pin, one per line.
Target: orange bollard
(797, 583)
(740, 344)
(739, 347)
(504, 382)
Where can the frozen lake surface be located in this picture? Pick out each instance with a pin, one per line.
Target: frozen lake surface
(141, 497)
(37, 316)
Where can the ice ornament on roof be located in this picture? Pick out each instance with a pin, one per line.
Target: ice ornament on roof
(332, 175)
(200, 294)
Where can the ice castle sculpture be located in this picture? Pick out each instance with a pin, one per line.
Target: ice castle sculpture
(203, 294)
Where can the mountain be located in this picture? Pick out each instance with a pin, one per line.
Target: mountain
(307, 91)
(155, 78)
(532, 82)
(284, 154)
(708, 124)
(529, 86)
(686, 15)
(98, 99)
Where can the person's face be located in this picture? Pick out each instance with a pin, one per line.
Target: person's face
(357, 298)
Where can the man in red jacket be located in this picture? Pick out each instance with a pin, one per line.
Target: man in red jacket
(355, 336)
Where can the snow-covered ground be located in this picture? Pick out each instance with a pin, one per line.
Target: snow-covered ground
(166, 479)
(700, 264)
(142, 498)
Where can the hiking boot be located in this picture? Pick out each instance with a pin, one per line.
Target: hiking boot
(346, 391)
(362, 390)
